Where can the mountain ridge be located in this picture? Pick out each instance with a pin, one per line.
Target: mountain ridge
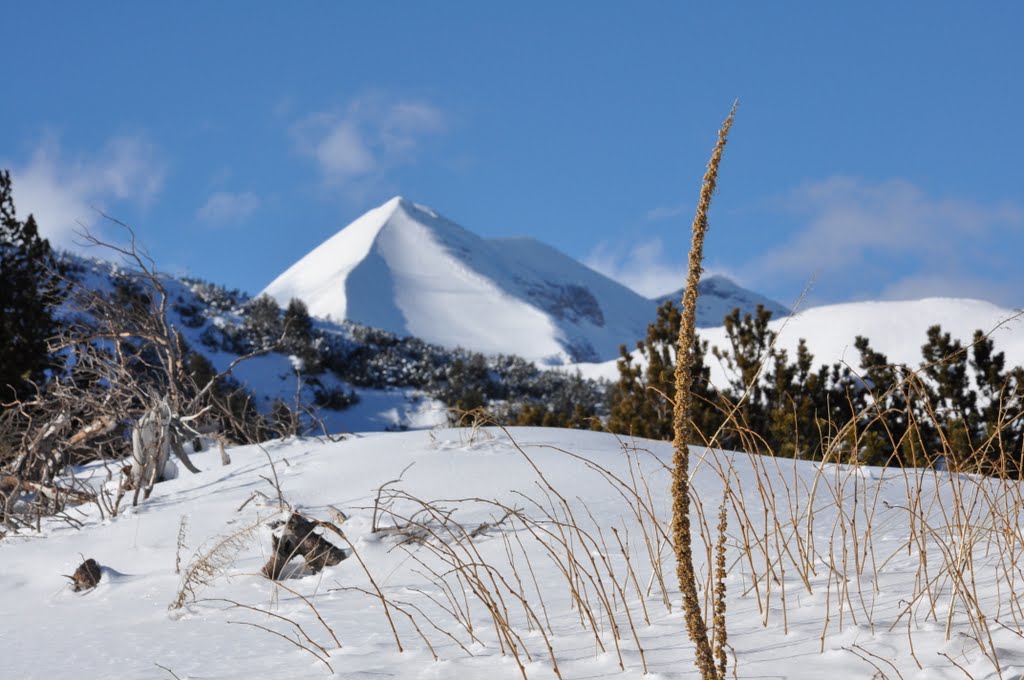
(719, 295)
(405, 268)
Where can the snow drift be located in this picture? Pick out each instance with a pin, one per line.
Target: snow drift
(833, 571)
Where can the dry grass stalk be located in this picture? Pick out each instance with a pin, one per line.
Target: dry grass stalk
(316, 612)
(719, 628)
(792, 529)
(209, 563)
(297, 643)
(681, 535)
(377, 592)
(169, 671)
(602, 585)
(280, 617)
(182, 528)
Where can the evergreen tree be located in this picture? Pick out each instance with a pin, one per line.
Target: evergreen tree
(468, 383)
(892, 427)
(750, 342)
(572, 402)
(999, 401)
(961, 407)
(263, 322)
(946, 364)
(796, 405)
(989, 369)
(29, 291)
(298, 336)
(641, 400)
(882, 381)
(953, 401)
(298, 326)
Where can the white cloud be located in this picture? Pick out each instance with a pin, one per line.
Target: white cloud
(343, 154)
(668, 212)
(367, 138)
(866, 239)
(405, 122)
(64, 191)
(849, 221)
(644, 267)
(223, 207)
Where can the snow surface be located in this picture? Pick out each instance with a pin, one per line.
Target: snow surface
(406, 269)
(824, 628)
(897, 329)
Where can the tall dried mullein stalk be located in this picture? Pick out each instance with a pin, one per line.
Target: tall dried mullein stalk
(718, 622)
(695, 624)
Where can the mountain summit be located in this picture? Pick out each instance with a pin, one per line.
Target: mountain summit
(404, 268)
(720, 295)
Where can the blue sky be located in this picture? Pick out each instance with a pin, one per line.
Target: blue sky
(875, 154)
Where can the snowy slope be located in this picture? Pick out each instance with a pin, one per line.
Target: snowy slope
(897, 329)
(271, 376)
(406, 269)
(859, 601)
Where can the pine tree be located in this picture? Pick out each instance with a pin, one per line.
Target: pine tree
(263, 322)
(888, 409)
(807, 408)
(29, 291)
(945, 363)
(298, 336)
(750, 341)
(468, 383)
(641, 400)
(1000, 400)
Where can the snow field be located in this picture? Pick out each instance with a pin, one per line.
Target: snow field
(531, 552)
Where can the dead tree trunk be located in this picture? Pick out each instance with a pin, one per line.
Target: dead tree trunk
(158, 432)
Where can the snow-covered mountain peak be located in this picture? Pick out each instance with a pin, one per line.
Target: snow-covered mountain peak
(719, 295)
(407, 269)
(393, 203)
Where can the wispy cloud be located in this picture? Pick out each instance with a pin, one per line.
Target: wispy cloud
(64, 190)
(854, 228)
(223, 208)
(644, 267)
(668, 212)
(365, 139)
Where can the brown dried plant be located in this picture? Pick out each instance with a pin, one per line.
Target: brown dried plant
(681, 534)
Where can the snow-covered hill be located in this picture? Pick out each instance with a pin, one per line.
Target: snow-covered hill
(897, 329)
(212, 321)
(404, 268)
(833, 571)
